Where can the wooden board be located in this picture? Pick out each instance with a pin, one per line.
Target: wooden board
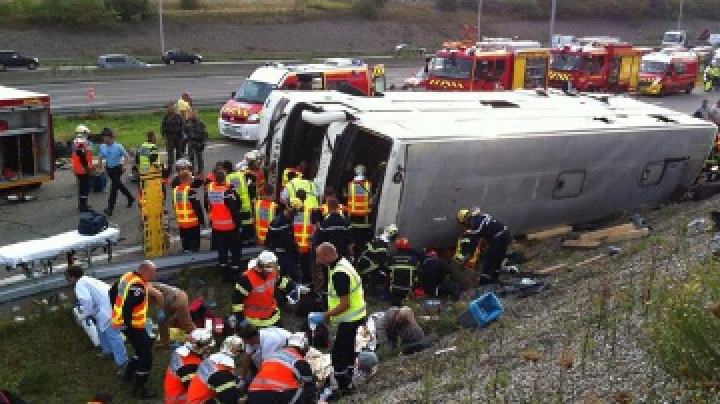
(630, 235)
(551, 269)
(541, 235)
(604, 233)
(568, 267)
(581, 244)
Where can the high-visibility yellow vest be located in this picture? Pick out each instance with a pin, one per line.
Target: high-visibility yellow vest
(237, 180)
(357, 309)
(147, 149)
(297, 184)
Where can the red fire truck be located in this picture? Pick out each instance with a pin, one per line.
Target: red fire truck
(26, 140)
(667, 71)
(464, 66)
(240, 115)
(609, 67)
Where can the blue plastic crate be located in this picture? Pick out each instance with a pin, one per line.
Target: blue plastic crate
(482, 311)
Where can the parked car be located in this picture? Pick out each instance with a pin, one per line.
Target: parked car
(417, 80)
(409, 49)
(180, 56)
(118, 61)
(11, 58)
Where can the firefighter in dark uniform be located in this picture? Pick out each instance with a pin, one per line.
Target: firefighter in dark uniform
(481, 226)
(129, 313)
(223, 206)
(372, 262)
(403, 268)
(335, 229)
(281, 240)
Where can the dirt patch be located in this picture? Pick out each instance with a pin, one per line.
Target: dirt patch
(339, 35)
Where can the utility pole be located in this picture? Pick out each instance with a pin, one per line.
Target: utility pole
(479, 38)
(162, 32)
(680, 15)
(552, 20)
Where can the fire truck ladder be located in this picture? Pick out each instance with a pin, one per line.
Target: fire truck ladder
(155, 241)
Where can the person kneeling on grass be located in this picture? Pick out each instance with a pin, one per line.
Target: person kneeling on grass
(396, 327)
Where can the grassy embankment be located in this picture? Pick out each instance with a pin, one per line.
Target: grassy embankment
(130, 129)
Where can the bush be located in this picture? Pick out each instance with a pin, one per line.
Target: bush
(189, 4)
(367, 9)
(684, 333)
(129, 10)
(446, 5)
(69, 13)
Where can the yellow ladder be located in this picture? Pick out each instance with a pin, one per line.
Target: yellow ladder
(155, 241)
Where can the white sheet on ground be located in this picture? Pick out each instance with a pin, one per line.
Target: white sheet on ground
(50, 247)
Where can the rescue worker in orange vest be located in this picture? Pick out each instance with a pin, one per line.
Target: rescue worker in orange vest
(282, 241)
(82, 166)
(253, 300)
(130, 297)
(215, 380)
(265, 209)
(188, 212)
(210, 178)
(330, 193)
(303, 230)
(358, 202)
(285, 376)
(223, 205)
(184, 363)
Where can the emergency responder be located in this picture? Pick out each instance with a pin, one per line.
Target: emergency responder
(285, 376)
(282, 241)
(196, 133)
(172, 129)
(223, 205)
(147, 154)
(372, 261)
(130, 296)
(482, 226)
(329, 192)
(93, 296)
(188, 211)
(184, 364)
(259, 344)
(298, 171)
(433, 274)
(303, 230)
(265, 209)
(364, 368)
(184, 165)
(358, 202)
(298, 183)
(82, 166)
(254, 175)
(402, 268)
(236, 178)
(173, 306)
(335, 229)
(709, 77)
(115, 157)
(210, 178)
(346, 308)
(253, 300)
(215, 380)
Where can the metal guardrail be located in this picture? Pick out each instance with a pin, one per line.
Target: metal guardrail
(138, 106)
(56, 280)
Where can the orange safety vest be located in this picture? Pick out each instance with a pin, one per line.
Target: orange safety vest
(264, 214)
(139, 314)
(184, 212)
(259, 180)
(174, 386)
(303, 228)
(717, 142)
(278, 373)
(325, 210)
(359, 198)
(260, 304)
(200, 391)
(77, 166)
(219, 213)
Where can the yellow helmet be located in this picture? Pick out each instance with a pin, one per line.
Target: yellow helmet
(296, 203)
(463, 215)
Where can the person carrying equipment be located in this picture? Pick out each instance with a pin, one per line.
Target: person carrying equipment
(481, 226)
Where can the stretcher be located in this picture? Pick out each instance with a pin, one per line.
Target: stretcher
(39, 254)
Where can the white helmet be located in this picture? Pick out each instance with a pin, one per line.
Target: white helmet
(183, 163)
(200, 340)
(267, 258)
(252, 264)
(232, 346)
(241, 165)
(360, 170)
(82, 130)
(298, 340)
(251, 155)
(391, 230)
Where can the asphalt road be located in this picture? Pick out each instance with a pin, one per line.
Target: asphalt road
(209, 90)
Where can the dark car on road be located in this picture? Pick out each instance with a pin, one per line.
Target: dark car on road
(10, 58)
(180, 56)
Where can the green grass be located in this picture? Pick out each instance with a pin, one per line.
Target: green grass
(130, 129)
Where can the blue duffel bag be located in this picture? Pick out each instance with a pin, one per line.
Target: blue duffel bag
(92, 223)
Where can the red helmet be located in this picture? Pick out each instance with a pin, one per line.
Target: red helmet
(402, 243)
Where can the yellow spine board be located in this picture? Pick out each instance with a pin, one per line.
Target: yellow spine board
(155, 242)
(518, 81)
